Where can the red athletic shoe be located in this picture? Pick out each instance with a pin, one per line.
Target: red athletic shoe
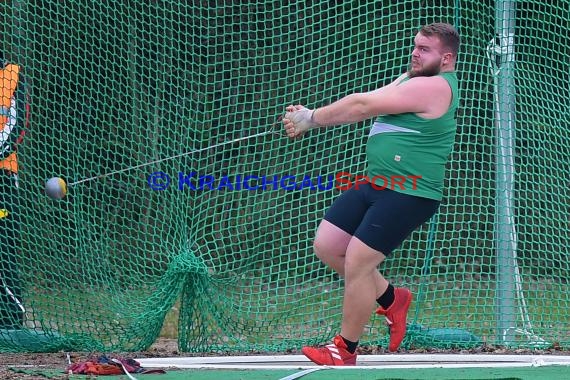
(396, 316)
(332, 354)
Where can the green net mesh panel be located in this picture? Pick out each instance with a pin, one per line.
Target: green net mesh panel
(121, 84)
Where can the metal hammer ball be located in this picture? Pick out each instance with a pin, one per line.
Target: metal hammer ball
(56, 188)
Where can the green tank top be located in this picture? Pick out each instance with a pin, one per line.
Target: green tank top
(408, 153)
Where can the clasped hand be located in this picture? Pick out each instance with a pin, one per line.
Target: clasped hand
(298, 120)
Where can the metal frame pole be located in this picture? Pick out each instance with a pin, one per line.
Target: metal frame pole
(505, 231)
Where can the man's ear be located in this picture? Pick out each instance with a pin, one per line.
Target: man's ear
(447, 57)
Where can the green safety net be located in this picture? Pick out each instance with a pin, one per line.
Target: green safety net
(122, 90)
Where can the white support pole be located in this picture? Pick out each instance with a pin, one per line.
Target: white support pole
(505, 230)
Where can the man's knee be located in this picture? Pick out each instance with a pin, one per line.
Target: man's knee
(319, 247)
(361, 259)
(326, 249)
(330, 240)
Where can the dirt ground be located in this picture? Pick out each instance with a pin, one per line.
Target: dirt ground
(58, 362)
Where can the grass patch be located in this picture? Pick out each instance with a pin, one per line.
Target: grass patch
(170, 326)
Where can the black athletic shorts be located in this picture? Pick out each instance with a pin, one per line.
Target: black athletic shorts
(382, 219)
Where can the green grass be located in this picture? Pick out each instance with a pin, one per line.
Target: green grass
(314, 313)
(266, 313)
(170, 326)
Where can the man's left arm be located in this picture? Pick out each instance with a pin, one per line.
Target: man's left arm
(420, 95)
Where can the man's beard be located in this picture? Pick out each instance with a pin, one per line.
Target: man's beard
(426, 71)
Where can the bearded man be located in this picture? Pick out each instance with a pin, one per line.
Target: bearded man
(412, 137)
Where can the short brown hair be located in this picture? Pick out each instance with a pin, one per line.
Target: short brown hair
(446, 33)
